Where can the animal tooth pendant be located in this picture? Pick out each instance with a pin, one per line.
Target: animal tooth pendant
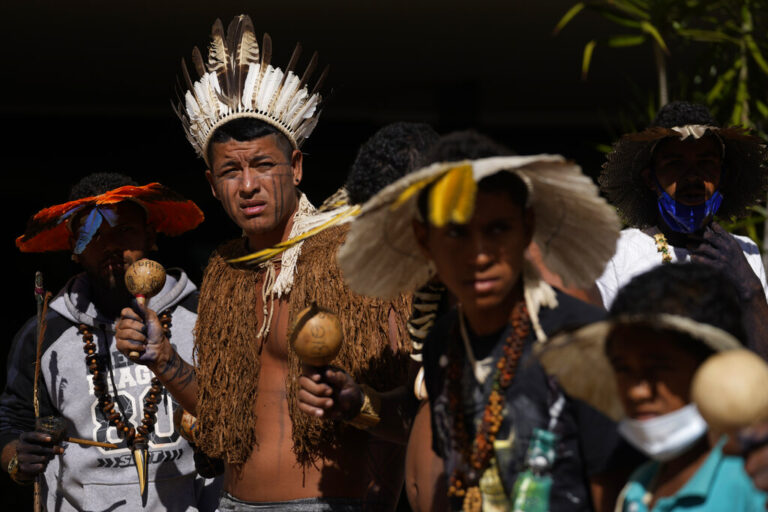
(141, 461)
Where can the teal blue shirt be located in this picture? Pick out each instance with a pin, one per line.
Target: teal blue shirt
(720, 484)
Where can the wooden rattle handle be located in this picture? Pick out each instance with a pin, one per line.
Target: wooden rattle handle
(144, 279)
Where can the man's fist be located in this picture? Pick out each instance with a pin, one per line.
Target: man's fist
(330, 393)
(139, 330)
(34, 451)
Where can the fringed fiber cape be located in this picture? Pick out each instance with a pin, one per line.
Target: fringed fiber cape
(227, 350)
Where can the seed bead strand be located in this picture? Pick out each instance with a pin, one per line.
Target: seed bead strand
(107, 404)
(477, 456)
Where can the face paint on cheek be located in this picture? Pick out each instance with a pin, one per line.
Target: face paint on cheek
(277, 193)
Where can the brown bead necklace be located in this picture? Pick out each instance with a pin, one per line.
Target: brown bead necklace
(476, 456)
(107, 404)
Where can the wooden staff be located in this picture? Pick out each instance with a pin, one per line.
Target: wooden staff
(41, 298)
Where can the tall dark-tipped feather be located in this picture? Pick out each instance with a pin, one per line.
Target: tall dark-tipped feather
(320, 80)
(185, 73)
(219, 60)
(246, 50)
(266, 53)
(308, 72)
(290, 67)
(294, 59)
(197, 61)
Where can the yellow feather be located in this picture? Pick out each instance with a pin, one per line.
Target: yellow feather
(269, 253)
(413, 189)
(448, 195)
(465, 202)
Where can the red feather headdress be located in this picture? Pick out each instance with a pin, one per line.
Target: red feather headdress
(167, 212)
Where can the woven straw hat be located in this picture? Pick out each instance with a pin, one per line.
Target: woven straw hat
(575, 228)
(745, 164)
(579, 361)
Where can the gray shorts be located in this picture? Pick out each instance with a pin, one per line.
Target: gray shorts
(229, 503)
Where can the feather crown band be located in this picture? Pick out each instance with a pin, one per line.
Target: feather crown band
(238, 81)
(167, 212)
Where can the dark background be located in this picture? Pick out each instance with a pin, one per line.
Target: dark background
(86, 87)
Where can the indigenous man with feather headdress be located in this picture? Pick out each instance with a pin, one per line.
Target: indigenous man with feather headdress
(247, 119)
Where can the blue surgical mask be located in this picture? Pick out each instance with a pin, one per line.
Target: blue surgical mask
(687, 219)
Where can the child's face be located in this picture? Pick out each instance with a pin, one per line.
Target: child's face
(653, 373)
(481, 262)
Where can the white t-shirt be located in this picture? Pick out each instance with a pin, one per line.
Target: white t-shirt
(636, 253)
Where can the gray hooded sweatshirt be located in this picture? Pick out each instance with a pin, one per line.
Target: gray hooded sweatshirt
(87, 478)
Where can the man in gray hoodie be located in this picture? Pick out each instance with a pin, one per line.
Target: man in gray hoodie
(108, 224)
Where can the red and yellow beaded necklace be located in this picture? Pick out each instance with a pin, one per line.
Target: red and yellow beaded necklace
(476, 456)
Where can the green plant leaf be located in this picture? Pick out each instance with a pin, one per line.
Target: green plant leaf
(706, 36)
(627, 22)
(627, 40)
(714, 93)
(572, 12)
(604, 148)
(640, 4)
(742, 98)
(754, 50)
(762, 108)
(654, 33)
(627, 7)
(589, 48)
(752, 233)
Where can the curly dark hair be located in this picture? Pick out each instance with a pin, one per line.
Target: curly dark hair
(745, 166)
(681, 113)
(98, 183)
(465, 145)
(691, 290)
(391, 153)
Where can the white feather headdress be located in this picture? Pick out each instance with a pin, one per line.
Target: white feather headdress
(238, 81)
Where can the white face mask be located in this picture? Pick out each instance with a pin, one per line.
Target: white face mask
(665, 437)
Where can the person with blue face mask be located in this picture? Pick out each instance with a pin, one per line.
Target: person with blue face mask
(668, 183)
(637, 367)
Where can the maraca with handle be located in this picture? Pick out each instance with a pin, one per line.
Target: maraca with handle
(144, 279)
(316, 336)
(729, 390)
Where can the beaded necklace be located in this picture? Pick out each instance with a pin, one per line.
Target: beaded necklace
(662, 246)
(476, 455)
(107, 404)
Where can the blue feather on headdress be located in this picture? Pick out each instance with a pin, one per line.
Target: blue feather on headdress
(91, 226)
